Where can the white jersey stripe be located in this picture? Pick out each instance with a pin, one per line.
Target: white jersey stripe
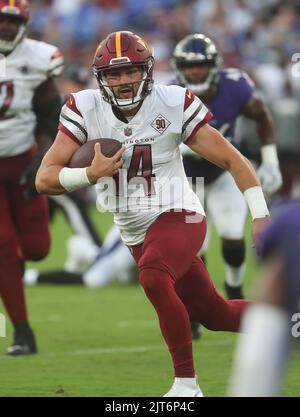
(191, 109)
(66, 111)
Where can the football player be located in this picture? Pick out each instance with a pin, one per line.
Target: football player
(228, 93)
(160, 218)
(270, 325)
(89, 264)
(74, 205)
(29, 109)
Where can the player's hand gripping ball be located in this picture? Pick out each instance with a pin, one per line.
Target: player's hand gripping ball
(84, 155)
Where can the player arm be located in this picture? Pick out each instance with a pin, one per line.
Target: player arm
(269, 172)
(54, 176)
(46, 106)
(57, 157)
(211, 145)
(256, 110)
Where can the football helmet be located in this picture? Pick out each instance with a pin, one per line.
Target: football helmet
(121, 49)
(192, 50)
(18, 9)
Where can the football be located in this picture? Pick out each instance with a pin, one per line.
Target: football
(84, 155)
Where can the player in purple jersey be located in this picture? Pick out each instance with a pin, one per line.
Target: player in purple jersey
(271, 324)
(228, 93)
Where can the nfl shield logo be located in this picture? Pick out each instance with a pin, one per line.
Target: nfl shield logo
(128, 131)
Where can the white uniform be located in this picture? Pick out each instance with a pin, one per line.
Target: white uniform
(27, 67)
(169, 116)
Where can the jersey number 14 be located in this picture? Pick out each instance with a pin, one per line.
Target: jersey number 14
(140, 171)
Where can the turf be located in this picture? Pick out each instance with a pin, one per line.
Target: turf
(107, 342)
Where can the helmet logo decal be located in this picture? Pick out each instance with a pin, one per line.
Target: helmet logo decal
(144, 44)
(118, 45)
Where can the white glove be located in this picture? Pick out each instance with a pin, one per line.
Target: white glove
(269, 171)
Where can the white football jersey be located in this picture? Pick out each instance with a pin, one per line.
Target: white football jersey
(152, 179)
(26, 68)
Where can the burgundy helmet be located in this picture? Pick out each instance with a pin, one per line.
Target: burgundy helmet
(121, 49)
(20, 10)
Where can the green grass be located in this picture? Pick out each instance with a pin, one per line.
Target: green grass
(107, 342)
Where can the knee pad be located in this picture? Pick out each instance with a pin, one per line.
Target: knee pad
(234, 252)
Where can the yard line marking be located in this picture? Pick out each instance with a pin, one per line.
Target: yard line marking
(113, 350)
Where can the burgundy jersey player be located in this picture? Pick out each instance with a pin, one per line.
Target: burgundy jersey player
(160, 218)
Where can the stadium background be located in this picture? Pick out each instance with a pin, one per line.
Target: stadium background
(106, 342)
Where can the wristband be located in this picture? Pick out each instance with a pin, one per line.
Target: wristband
(269, 154)
(256, 202)
(72, 179)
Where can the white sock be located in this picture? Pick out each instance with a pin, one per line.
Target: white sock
(234, 276)
(192, 382)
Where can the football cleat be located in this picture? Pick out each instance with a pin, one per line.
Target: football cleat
(234, 293)
(185, 387)
(195, 330)
(24, 344)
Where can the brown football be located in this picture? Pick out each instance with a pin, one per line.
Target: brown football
(84, 155)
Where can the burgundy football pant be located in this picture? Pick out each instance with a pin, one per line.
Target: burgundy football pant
(24, 233)
(178, 285)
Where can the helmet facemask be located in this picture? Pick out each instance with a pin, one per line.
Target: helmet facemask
(198, 88)
(195, 50)
(6, 47)
(144, 88)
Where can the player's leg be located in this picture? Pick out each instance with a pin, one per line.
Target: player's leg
(228, 211)
(203, 302)
(170, 245)
(11, 285)
(30, 222)
(195, 326)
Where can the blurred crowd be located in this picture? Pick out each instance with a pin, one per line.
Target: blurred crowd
(261, 37)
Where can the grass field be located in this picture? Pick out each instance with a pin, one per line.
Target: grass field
(107, 342)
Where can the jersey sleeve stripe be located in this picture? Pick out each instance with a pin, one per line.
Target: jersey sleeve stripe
(73, 115)
(191, 109)
(53, 69)
(206, 119)
(189, 99)
(78, 125)
(194, 114)
(63, 129)
(71, 104)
